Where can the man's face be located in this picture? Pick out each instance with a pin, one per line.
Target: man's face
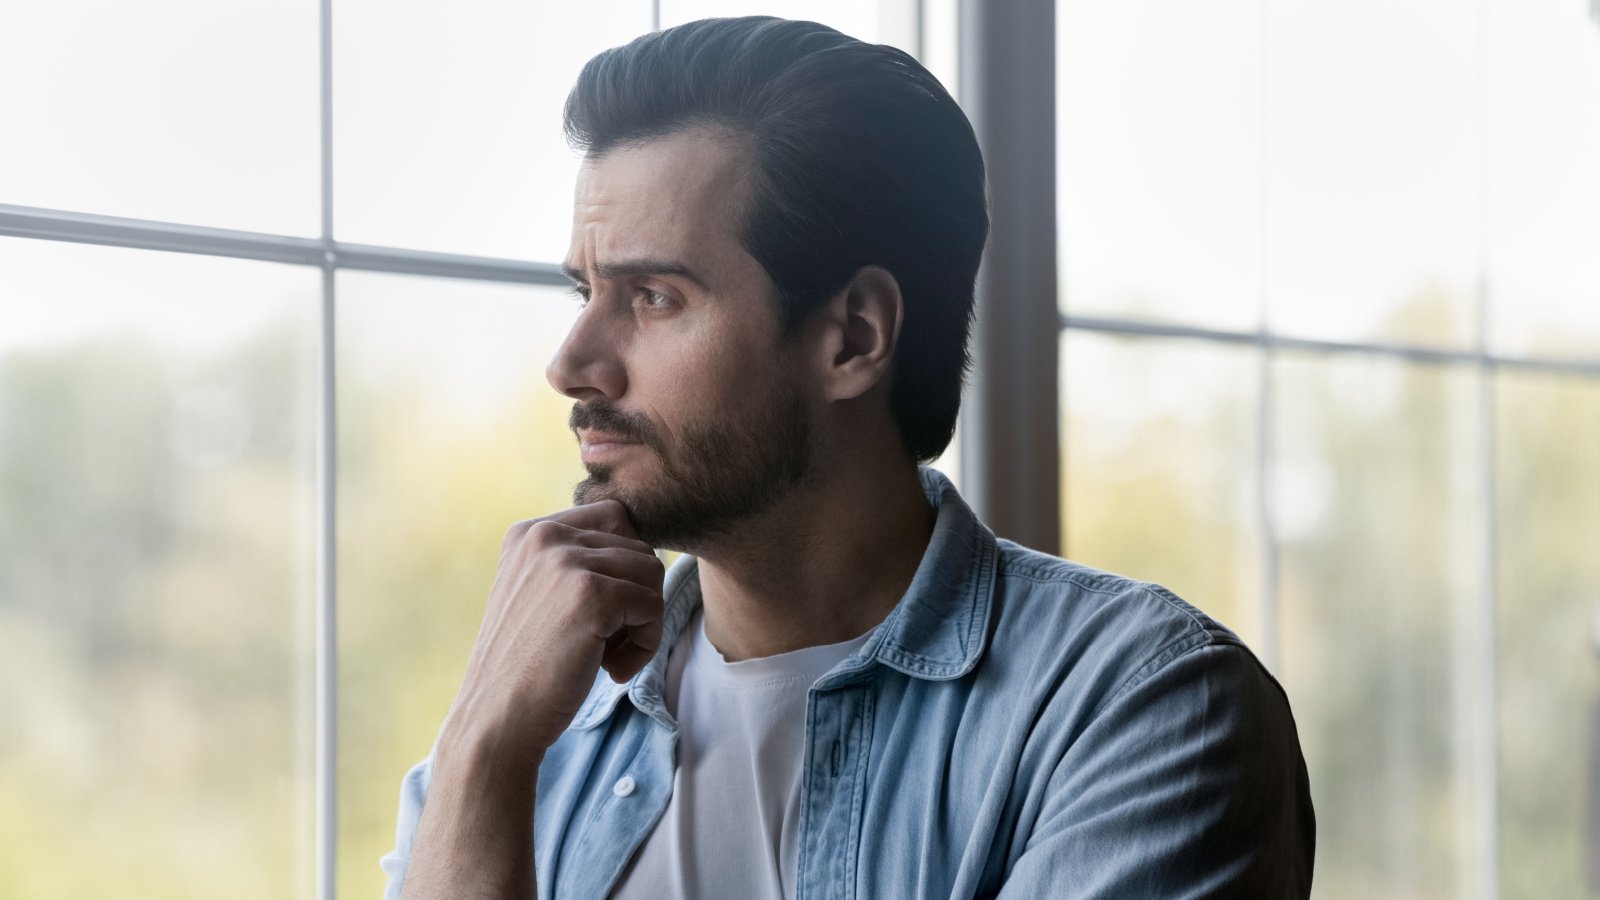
(689, 410)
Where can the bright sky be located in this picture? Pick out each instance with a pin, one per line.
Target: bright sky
(1340, 157)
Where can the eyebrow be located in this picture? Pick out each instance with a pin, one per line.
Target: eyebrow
(631, 268)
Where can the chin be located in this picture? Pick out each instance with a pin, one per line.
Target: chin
(660, 520)
(598, 486)
(602, 485)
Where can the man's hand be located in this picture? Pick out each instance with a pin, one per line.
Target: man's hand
(575, 592)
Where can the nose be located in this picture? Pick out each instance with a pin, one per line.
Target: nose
(588, 364)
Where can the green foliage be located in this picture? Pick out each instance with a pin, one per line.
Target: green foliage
(153, 618)
(1549, 598)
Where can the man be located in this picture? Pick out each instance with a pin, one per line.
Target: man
(851, 688)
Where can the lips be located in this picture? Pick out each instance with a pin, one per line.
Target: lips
(590, 436)
(602, 446)
(607, 434)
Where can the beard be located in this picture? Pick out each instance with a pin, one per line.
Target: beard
(715, 475)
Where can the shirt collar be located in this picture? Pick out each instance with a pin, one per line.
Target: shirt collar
(938, 631)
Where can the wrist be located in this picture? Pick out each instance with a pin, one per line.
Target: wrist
(475, 834)
(486, 745)
(485, 727)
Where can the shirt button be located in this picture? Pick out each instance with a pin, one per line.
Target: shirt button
(624, 786)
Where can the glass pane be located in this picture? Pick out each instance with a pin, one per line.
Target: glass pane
(450, 120)
(1159, 160)
(1374, 173)
(176, 110)
(1549, 616)
(1159, 446)
(941, 45)
(448, 434)
(1377, 508)
(156, 586)
(1544, 183)
(853, 17)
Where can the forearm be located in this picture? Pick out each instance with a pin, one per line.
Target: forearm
(474, 839)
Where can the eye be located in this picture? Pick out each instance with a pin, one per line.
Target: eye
(580, 293)
(653, 299)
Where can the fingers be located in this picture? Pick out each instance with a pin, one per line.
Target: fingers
(589, 551)
(629, 625)
(603, 515)
(643, 569)
(631, 650)
(626, 661)
(555, 530)
(614, 605)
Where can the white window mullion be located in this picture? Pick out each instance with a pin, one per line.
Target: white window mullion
(327, 670)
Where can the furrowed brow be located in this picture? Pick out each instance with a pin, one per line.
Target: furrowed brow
(631, 268)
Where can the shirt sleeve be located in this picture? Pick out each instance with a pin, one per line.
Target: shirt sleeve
(1188, 784)
(413, 790)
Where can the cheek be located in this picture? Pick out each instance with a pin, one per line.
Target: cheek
(698, 375)
(687, 384)
(710, 361)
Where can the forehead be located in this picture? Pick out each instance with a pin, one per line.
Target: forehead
(678, 196)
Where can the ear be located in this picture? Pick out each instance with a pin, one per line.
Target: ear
(862, 330)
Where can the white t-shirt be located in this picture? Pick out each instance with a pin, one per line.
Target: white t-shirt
(731, 828)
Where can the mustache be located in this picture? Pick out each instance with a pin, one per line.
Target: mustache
(603, 415)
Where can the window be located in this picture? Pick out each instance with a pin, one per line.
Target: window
(276, 293)
(179, 539)
(1330, 357)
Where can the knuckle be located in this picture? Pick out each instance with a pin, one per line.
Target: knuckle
(544, 532)
(591, 607)
(593, 584)
(515, 532)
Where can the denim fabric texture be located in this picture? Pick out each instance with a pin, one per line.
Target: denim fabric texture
(1019, 726)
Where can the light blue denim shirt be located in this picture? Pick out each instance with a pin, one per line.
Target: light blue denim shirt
(1018, 726)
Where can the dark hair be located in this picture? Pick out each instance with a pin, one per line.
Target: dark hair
(862, 158)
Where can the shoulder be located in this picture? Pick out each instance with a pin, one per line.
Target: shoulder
(1102, 635)
(1035, 577)
(1153, 724)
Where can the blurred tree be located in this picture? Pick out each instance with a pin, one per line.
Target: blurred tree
(1548, 529)
(153, 593)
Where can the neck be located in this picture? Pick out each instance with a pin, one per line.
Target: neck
(825, 564)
